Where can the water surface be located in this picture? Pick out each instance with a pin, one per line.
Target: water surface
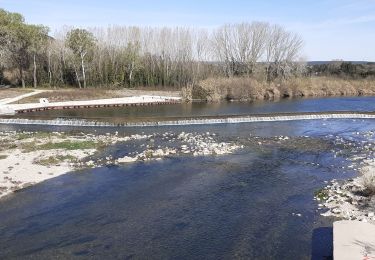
(359, 104)
(255, 204)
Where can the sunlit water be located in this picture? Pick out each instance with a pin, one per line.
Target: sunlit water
(244, 205)
(363, 104)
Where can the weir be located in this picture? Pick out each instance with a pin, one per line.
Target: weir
(192, 121)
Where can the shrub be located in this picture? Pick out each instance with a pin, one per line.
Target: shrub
(368, 180)
(250, 89)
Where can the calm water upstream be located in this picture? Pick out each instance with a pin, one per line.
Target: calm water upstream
(254, 204)
(214, 109)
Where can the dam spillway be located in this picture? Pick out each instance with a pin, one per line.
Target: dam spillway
(202, 120)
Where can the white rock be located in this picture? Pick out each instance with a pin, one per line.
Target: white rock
(127, 159)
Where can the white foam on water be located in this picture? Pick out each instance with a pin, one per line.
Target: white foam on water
(183, 122)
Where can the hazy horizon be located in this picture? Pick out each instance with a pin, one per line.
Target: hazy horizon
(331, 29)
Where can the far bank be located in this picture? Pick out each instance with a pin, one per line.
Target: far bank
(250, 89)
(215, 89)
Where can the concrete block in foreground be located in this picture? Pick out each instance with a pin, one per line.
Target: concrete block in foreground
(6, 110)
(353, 240)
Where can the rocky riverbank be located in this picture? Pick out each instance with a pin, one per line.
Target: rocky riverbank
(352, 199)
(347, 200)
(27, 158)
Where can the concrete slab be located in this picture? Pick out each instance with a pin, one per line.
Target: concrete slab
(353, 240)
(10, 109)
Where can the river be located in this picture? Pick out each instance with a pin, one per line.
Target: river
(254, 204)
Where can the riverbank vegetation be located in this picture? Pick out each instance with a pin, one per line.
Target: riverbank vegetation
(247, 61)
(368, 180)
(250, 89)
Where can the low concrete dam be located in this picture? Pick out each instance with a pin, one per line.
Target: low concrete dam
(179, 121)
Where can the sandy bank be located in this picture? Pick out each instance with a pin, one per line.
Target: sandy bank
(27, 158)
(19, 170)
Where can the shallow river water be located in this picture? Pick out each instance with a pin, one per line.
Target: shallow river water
(254, 204)
(359, 104)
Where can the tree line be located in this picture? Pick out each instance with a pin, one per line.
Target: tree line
(342, 69)
(129, 56)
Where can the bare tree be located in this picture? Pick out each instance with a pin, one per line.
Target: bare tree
(282, 50)
(151, 56)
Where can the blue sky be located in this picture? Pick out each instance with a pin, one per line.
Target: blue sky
(332, 29)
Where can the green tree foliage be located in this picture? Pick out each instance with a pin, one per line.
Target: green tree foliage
(19, 41)
(81, 42)
(38, 36)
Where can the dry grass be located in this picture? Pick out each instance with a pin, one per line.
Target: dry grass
(90, 94)
(12, 92)
(6, 145)
(328, 86)
(72, 94)
(248, 89)
(368, 180)
(237, 88)
(55, 160)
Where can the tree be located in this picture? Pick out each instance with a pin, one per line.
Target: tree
(282, 50)
(148, 56)
(131, 59)
(81, 42)
(38, 35)
(18, 40)
(14, 42)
